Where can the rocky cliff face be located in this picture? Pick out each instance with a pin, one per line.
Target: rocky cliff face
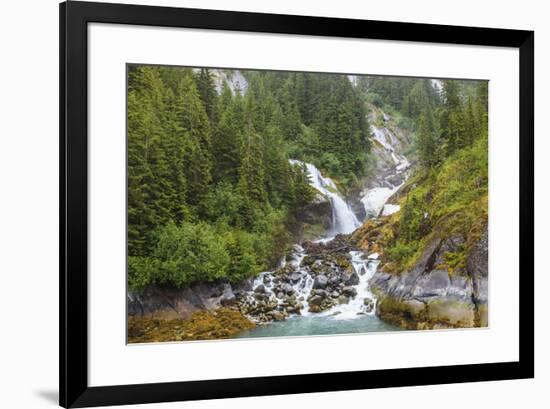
(390, 166)
(172, 303)
(318, 212)
(428, 296)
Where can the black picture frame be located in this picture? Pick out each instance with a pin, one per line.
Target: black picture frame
(73, 257)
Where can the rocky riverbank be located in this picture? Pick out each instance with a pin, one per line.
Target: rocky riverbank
(430, 295)
(205, 324)
(318, 277)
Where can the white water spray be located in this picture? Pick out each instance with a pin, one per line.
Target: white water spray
(364, 303)
(344, 220)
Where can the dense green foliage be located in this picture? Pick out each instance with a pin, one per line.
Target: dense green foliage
(211, 191)
(449, 193)
(405, 98)
(212, 194)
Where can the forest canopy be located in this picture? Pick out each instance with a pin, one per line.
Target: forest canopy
(211, 191)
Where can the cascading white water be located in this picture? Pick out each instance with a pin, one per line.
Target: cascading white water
(374, 200)
(365, 301)
(344, 220)
(360, 309)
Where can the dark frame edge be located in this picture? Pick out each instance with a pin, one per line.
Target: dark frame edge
(62, 209)
(526, 203)
(73, 331)
(295, 384)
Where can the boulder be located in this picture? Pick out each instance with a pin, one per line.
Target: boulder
(369, 304)
(317, 212)
(260, 289)
(343, 299)
(277, 315)
(350, 291)
(320, 281)
(316, 300)
(228, 298)
(352, 279)
(295, 277)
(334, 280)
(287, 289)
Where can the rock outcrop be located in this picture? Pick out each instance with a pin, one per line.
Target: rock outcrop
(318, 212)
(171, 303)
(428, 296)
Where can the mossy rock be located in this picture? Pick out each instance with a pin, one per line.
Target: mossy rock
(435, 314)
(202, 325)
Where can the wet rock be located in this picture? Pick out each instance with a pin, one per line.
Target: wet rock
(287, 289)
(320, 281)
(228, 298)
(395, 180)
(369, 304)
(319, 211)
(277, 315)
(343, 299)
(334, 281)
(353, 279)
(260, 289)
(350, 291)
(261, 297)
(315, 308)
(295, 277)
(316, 301)
(317, 266)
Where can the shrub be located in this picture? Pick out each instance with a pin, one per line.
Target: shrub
(194, 252)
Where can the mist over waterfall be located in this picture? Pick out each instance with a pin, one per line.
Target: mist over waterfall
(344, 220)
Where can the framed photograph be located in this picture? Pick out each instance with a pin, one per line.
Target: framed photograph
(256, 204)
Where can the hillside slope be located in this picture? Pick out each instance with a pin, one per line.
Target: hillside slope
(434, 250)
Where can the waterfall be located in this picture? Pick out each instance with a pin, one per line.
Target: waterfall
(390, 180)
(344, 220)
(365, 301)
(288, 291)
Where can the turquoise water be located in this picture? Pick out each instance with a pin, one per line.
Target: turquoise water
(320, 325)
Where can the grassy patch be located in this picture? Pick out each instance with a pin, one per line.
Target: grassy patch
(449, 200)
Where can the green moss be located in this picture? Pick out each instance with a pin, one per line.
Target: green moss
(312, 231)
(415, 315)
(449, 200)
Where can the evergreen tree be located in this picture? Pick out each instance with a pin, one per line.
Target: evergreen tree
(147, 163)
(427, 138)
(227, 140)
(291, 125)
(195, 130)
(208, 94)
